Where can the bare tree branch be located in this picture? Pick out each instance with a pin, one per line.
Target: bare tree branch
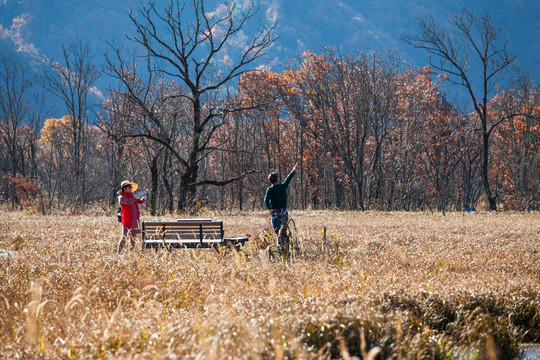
(224, 182)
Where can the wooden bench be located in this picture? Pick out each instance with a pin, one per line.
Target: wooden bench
(187, 233)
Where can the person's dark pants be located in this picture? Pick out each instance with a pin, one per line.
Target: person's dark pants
(279, 217)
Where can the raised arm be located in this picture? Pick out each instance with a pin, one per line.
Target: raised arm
(290, 176)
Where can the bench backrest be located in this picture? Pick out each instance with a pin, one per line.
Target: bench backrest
(194, 220)
(182, 230)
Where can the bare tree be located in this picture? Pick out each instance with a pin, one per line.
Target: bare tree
(15, 84)
(382, 103)
(194, 47)
(471, 39)
(72, 82)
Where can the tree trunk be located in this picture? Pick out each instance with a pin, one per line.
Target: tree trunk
(492, 199)
(187, 187)
(189, 177)
(166, 184)
(154, 176)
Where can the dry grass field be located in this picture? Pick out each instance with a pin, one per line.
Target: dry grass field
(381, 285)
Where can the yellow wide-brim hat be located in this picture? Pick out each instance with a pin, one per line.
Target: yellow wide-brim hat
(134, 186)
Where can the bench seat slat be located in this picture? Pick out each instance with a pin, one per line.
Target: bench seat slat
(183, 237)
(181, 232)
(182, 227)
(182, 224)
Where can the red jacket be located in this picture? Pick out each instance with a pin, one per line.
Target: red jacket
(130, 209)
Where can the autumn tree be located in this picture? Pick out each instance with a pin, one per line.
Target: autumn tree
(282, 131)
(266, 136)
(517, 144)
(54, 154)
(435, 127)
(471, 39)
(346, 102)
(338, 87)
(203, 51)
(383, 107)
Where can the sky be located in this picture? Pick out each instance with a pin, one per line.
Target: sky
(30, 29)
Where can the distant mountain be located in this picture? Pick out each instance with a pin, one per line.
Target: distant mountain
(379, 24)
(32, 28)
(48, 24)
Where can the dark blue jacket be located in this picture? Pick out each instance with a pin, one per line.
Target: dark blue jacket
(276, 195)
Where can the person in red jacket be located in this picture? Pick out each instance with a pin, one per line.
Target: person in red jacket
(131, 225)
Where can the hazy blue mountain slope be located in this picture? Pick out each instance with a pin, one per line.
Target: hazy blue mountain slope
(302, 25)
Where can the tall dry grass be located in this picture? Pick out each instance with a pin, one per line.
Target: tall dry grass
(380, 285)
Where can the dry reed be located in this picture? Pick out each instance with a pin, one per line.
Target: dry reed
(380, 285)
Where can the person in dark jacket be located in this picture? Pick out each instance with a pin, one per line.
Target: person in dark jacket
(275, 198)
(131, 214)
